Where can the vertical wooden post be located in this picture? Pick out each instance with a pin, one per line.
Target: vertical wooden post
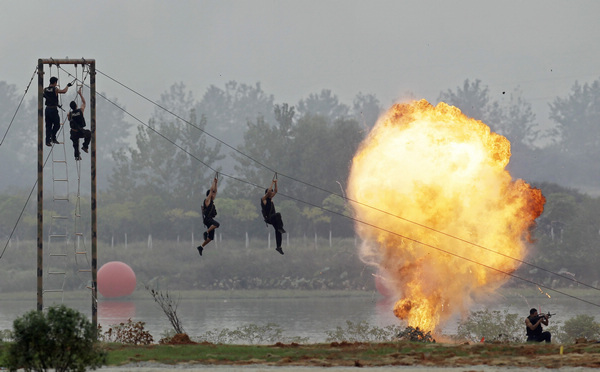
(93, 201)
(40, 189)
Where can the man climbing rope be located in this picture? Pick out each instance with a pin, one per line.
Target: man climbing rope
(77, 123)
(271, 216)
(51, 112)
(209, 212)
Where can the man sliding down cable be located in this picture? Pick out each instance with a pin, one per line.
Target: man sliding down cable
(271, 216)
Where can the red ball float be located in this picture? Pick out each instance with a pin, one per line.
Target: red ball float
(116, 279)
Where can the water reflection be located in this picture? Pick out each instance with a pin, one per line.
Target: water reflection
(115, 312)
(306, 317)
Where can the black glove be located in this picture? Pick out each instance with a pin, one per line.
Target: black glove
(69, 85)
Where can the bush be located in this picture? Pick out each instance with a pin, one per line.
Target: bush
(581, 326)
(493, 326)
(362, 332)
(127, 333)
(249, 334)
(62, 339)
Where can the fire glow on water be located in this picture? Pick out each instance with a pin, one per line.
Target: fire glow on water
(423, 170)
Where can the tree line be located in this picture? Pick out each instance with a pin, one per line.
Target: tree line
(149, 186)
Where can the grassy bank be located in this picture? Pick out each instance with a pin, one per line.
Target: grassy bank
(364, 354)
(357, 355)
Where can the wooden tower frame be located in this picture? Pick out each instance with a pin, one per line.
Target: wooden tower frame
(40, 180)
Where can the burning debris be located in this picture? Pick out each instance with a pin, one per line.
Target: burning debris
(415, 335)
(438, 213)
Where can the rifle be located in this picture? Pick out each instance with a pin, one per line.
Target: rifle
(547, 316)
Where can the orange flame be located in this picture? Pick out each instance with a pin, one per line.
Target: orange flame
(444, 171)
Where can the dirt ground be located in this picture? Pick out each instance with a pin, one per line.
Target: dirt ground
(405, 356)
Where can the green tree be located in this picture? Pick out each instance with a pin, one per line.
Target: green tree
(228, 109)
(270, 145)
(324, 104)
(511, 117)
(576, 137)
(366, 109)
(168, 162)
(567, 236)
(19, 138)
(310, 152)
(472, 99)
(238, 215)
(61, 339)
(576, 118)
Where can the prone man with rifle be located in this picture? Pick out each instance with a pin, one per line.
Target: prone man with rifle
(535, 331)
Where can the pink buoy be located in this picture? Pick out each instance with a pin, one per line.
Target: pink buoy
(116, 279)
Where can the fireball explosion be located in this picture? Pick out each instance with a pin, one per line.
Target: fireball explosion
(423, 170)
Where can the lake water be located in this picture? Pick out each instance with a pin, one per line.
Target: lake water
(298, 317)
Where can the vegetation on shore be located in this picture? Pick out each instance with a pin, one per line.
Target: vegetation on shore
(356, 354)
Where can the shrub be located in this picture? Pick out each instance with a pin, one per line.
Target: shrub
(249, 334)
(362, 332)
(62, 339)
(128, 333)
(493, 326)
(581, 326)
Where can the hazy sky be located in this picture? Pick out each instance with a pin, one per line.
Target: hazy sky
(294, 48)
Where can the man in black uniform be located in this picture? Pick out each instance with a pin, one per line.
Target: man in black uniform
(535, 332)
(209, 212)
(270, 215)
(77, 122)
(51, 112)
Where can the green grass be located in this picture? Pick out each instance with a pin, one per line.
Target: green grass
(351, 354)
(216, 354)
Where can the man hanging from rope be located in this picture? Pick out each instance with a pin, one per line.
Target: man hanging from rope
(271, 216)
(51, 112)
(77, 122)
(209, 212)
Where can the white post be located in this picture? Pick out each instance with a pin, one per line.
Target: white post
(150, 241)
(330, 245)
(247, 240)
(316, 240)
(125, 240)
(269, 240)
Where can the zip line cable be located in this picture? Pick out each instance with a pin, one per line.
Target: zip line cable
(19, 106)
(447, 252)
(349, 217)
(341, 196)
(320, 207)
(187, 122)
